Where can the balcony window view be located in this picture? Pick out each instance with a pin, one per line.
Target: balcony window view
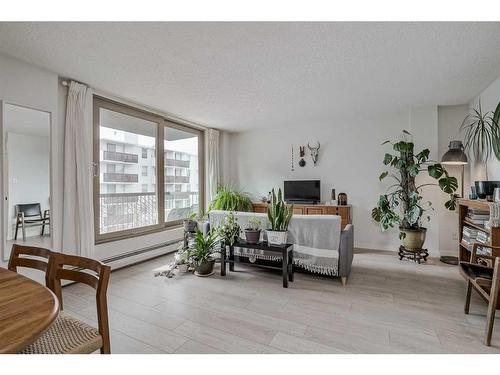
(127, 189)
(181, 174)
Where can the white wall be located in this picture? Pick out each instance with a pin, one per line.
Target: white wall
(490, 97)
(28, 164)
(350, 161)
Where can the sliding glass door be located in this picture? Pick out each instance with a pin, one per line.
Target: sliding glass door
(135, 190)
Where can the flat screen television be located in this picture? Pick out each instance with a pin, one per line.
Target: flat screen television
(302, 191)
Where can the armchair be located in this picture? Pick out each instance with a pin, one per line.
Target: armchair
(30, 215)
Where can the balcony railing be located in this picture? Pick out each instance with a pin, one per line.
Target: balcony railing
(178, 179)
(120, 177)
(120, 156)
(122, 211)
(177, 163)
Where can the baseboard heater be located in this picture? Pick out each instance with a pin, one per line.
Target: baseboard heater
(143, 254)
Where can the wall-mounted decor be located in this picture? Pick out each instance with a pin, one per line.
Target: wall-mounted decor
(302, 153)
(314, 152)
(293, 164)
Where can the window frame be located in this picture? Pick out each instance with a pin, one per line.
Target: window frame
(162, 123)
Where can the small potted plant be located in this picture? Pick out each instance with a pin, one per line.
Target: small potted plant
(181, 259)
(229, 231)
(279, 215)
(252, 233)
(203, 251)
(190, 223)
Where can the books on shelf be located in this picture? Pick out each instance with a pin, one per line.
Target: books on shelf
(478, 217)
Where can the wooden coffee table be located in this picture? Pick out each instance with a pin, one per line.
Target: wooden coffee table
(286, 252)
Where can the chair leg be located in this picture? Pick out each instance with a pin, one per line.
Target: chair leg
(17, 227)
(490, 319)
(468, 292)
(24, 232)
(43, 227)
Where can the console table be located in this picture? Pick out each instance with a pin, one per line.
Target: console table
(345, 212)
(286, 252)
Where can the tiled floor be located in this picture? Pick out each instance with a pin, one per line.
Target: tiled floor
(388, 306)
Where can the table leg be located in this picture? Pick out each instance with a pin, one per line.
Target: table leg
(285, 267)
(223, 260)
(290, 266)
(231, 258)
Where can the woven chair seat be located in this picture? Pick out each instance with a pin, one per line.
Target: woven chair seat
(66, 335)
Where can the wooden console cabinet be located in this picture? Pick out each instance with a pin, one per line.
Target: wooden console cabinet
(345, 212)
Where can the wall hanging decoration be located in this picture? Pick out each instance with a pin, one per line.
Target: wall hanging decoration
(302, 153)
(314, 152)
(293, 164)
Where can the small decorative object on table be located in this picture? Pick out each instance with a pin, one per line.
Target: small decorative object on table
(279, 215)
(342, 199)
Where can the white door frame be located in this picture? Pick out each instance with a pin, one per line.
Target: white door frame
(4, 186)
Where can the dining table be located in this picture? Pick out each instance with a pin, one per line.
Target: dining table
(27, 309)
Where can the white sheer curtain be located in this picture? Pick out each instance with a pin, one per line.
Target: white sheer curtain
(78, 208)
(213, 173)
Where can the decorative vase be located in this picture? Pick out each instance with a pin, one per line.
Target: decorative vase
(252, 236)
(414, 238)
(205, 268)
(277, 238)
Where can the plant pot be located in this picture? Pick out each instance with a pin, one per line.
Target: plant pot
(414, 238)
(189, 225)
(277, 238)
(205, 268)
(183, 267)
(252, 236)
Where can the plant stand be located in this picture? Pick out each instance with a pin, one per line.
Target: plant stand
(415, 255)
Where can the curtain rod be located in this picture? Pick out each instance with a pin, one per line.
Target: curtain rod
(66, 82)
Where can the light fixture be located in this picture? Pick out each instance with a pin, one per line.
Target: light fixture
(454, 156)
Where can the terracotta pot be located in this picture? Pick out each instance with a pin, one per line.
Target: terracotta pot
(252, 236)
(414, 238)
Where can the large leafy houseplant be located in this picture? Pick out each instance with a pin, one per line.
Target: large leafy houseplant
(203, 250)
(229, 231)
(279, 215)
(229, 199)
(482, 134)
(402, 204)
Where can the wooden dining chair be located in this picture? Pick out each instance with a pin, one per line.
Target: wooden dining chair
(29, 257)
(486, 281)
(68, 335)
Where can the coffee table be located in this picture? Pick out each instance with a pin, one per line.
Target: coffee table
(286, 252)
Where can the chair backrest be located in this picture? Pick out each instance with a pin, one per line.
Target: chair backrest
(18, 259)
(30, 209)
(78, 271)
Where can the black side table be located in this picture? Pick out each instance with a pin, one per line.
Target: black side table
(286, 252)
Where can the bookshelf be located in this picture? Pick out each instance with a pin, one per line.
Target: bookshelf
(463, 206)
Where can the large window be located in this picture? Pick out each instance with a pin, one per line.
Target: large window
(136, 194)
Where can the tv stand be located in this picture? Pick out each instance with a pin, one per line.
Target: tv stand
(345, 212)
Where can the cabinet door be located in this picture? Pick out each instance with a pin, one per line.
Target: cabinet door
(298, 210)
(261, 208)
(315, 210)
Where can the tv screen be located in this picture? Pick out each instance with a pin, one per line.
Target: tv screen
(307, 191)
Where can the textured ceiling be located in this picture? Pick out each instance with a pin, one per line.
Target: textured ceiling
(239, 76)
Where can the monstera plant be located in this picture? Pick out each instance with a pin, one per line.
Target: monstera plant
(402, 204)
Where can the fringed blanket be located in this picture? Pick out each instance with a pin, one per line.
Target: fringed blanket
(316, 240)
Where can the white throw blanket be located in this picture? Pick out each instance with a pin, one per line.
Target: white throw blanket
(316, 239)
(494, 215)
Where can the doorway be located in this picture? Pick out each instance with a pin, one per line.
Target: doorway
(26, 177)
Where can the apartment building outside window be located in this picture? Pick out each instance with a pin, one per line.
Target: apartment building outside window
(130, 200)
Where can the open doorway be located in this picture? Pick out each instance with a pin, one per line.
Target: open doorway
(26, 176)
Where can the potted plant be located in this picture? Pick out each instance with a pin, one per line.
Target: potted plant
(405, 196)
(229, 199)
(279, 215)
(190, 223)
(229, 231)
(181, 259)
(482, 134)
(252, 233)
(204, 248)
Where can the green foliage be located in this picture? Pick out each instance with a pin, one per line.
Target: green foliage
(229, 231)
(278, 213)
(228, 199)
(404, 196)
(204, 246)
(482, 133)
(254, 223)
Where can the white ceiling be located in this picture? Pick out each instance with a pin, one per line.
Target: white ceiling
(239, 76)
(27, 121)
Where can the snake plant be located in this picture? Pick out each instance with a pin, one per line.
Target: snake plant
(278, 213)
